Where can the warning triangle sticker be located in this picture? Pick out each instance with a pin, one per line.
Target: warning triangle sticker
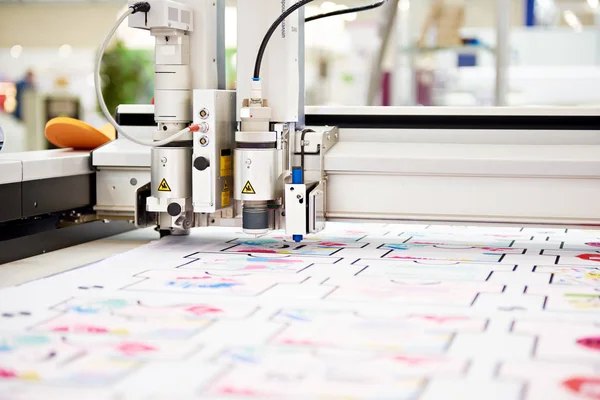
(164, 186)
(248, 189)
(225, 186)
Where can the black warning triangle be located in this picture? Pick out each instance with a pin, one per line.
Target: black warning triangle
(225, 186)
(164, 186)
(248, 189)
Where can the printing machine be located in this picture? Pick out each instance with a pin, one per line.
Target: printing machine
(259, 159)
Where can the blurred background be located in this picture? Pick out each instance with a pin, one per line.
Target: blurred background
(468, 53)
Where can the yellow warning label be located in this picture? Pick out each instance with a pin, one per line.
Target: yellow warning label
(225, 199)
(226, 164)
(225, 195)
(248, 189)
(164, 186)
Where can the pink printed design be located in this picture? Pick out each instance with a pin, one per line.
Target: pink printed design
(264, 251)
(237, 391)
(203, 310)
(80, 329)
(296, 342)
(586, 387)
(135, 348)
(592, 343)
(593, 244)
(412, 360)
(7, 373)
(439, 320)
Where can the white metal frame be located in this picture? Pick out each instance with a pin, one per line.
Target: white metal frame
(43, 164)
(541, 177)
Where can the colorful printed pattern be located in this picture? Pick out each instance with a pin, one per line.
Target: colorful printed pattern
(357, 312)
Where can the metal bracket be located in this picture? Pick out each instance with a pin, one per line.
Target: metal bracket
(316, 208)
(144, 218)
(316, 140)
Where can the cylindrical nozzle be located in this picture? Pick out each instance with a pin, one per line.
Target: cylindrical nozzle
(255, 218)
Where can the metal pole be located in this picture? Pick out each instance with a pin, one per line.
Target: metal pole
(386, 28)
(502, 50)
(403, 81)
(597, 28)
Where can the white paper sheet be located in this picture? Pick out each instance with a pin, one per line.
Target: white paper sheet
(359, 312)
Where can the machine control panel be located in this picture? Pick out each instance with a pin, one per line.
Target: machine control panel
(212, 160)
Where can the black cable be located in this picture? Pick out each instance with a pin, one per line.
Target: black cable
(346, 11)
(285, 14)
(263, 45)
(140, 6)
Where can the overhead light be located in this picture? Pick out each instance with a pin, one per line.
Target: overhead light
(65, 50)
(10, 90)
(593, 4)
(329, 6)
(15, 51)
(572, 20)
(404, 5)
(10, 104)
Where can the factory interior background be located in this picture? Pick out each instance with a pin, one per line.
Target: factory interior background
(549, 50)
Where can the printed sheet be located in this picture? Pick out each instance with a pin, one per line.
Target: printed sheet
(358, 312)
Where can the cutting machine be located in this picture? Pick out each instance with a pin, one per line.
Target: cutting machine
(259, 159)
(223, 155)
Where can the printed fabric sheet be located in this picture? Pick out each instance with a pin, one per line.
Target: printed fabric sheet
(360, 311)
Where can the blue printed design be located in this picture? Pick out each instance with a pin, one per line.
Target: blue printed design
(193, 285)
(257, 242)
(99, 306)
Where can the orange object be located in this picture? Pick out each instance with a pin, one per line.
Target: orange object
(73, 133)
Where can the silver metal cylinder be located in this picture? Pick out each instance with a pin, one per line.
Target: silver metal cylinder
(255, 218)
(172, 77)
(171, 172)
(173, 105)
(256, 174)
